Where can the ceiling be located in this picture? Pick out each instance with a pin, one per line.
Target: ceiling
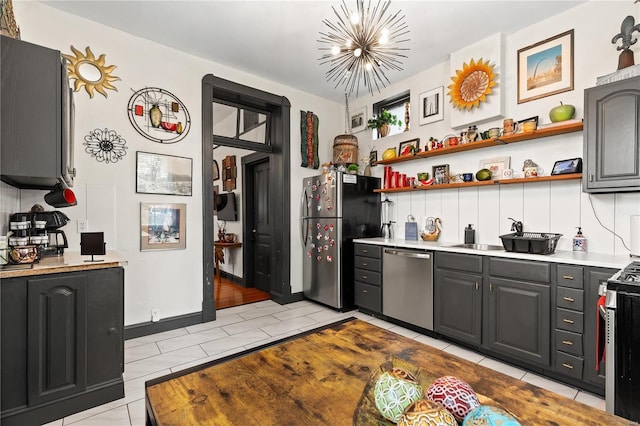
(278, 40)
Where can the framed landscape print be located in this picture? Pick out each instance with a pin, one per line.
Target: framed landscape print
(358, 119)
(546, 68)
(163, 226)
(432, 106)
(163, 174)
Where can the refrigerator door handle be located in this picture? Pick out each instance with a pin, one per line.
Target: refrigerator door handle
(303, 200)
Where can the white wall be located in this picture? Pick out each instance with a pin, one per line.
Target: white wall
(543, 207)
(169, 280)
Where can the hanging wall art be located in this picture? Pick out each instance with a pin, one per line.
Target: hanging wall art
(105, 145)
(309, 139)
(159, 115)
(89, 72)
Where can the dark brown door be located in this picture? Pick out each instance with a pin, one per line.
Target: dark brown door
(258, 267)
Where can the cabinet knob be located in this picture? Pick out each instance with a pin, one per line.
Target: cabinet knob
(113, 330)
(567, 342)
(569, 366)
(365, 251)
(568, 321)
(569, 299)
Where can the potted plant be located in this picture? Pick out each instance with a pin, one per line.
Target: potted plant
(382, 121)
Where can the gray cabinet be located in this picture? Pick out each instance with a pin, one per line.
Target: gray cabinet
(516, 314)
(458, 297)
(62, 344)
(569, 323)
(368, 277)
(612, 137)
(35, 116)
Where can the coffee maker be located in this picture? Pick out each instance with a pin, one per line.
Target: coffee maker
(42, 229)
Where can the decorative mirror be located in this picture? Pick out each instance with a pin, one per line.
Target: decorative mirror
(159, 115)
(90, 72)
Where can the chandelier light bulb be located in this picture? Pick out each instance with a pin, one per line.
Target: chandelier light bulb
(348, 44)
(368, 66)
(384, 37)
(357, 52)
(355, 19)
(335, 50)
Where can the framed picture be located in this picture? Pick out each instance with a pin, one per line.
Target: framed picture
(216, 170)
(496, 165)
(572, 165)
(546, 68)
(373, 157)
(409, 147)
(432, 106)
(163, 174)
(440, 174)
(358, 119)
(163, 226)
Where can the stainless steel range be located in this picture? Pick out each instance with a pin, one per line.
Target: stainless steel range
(622, 389)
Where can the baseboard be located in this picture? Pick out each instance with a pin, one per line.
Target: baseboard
(233, 278)
(286, 299)
(147, 328)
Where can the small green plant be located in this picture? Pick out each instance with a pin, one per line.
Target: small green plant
(385, 117)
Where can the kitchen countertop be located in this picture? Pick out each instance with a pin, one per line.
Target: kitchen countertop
(69, 262)
(603, 260)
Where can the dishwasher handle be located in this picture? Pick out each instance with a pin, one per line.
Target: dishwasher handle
(413, 254)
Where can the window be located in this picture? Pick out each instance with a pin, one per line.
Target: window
(397, 106)
(239, 123)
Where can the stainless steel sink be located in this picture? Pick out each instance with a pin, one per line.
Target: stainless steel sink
(477, 246)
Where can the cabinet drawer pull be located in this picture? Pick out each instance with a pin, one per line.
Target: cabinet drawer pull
(569, 366)
(364, 277)
(477, 286)
(365, 291)
(365, 264)
(568, 321)
(567, 342)
(365, 251)
(569, 299)
(568, 277)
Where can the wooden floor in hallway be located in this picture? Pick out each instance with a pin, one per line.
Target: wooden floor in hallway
(228, 294)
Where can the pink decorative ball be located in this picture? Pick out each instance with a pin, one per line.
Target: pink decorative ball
(455, 395)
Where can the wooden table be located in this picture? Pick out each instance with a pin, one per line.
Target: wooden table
(219, 247)
(317, 378)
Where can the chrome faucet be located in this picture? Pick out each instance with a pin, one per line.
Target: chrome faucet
(516, 226)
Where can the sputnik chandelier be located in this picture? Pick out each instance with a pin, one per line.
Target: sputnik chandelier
(362, 44)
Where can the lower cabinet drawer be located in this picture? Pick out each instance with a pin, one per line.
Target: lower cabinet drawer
(368, 263)
(569, 365)
(570, 298)
(368, 297)
(369, 277)
(569, 342)
(569, 320)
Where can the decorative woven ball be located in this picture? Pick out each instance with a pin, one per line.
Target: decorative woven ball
(394, 391)
(488, 415)
(425, 412)
(454, 394)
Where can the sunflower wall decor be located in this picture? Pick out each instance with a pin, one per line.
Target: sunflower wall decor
(89, 72)
(105, 145)
(475, 91)
(472, 84)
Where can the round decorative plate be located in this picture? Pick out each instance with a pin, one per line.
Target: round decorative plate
(159, 115)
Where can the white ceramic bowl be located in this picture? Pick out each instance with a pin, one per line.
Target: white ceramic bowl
(18, 241)
(20, 225)
(40, 224)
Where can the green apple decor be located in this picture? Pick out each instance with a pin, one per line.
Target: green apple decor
(562, 113)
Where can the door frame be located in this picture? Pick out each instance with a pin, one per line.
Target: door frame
(279, 173)
(248, 186)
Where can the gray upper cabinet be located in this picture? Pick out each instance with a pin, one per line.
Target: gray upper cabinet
(612, 137)
(36, 116)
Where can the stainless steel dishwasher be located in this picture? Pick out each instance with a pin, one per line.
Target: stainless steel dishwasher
(407, 286)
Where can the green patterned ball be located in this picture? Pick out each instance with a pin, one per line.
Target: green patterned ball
(393, 394)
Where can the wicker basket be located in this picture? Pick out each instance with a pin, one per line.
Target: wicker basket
(530, 242)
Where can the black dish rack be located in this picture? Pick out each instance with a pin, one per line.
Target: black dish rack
(530, 242)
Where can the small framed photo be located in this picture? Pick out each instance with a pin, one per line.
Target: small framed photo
(546, 68)
(163, 174)
(571, 165)
(440, 174)
(432, 106)
(410, 147)
(163, 226)
(373, 157)
(358, 119)
(216, 170)
(496, 165)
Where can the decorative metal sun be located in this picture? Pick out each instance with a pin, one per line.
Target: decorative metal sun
(472, 84)
(90, 72)
(105, 145)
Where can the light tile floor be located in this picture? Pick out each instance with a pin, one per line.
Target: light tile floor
(248, 326)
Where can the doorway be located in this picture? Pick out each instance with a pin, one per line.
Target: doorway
(277, 150)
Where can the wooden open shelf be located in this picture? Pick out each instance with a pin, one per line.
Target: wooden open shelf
(483, 183)
(485, 143)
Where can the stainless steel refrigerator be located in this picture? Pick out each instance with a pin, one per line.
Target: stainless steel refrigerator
(335, 208)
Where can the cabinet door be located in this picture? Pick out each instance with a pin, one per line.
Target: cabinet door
(105, 325)
(592, 320)
(612, 137)
(57, 321)
(458, 305)
(13, 310)
(517, 319)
